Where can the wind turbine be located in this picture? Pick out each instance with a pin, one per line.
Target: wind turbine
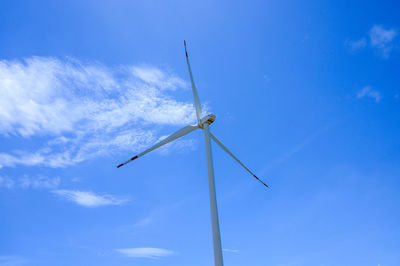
(204, 124)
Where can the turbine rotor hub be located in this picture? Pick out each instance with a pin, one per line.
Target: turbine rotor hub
(208, 119)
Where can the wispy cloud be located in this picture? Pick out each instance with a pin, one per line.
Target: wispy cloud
(33, 182)
(298, 148)
(88, 198)
(151, 253)
(82, 110)
(379, 38)
(367, 91)
(6, 260)
(83, 198)
(177, 145)
(158, 78)
(356, 45)
(382, 38)
(145, 221)
(230, 250)
(6, 182)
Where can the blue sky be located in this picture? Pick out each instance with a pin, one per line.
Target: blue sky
(306, 94)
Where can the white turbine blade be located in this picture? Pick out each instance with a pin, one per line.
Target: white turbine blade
(180, 133)
(234, 157)
(195, 95)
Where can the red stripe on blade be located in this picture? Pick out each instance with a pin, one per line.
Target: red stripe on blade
(133, 158)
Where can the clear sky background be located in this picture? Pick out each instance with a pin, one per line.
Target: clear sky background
(306, 93)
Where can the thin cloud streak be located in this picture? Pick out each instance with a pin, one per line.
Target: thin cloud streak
(29, 182)
(177, 145)
(88, 198)
(146, 252)
(6, 260)
(230, 250)
(289, 154)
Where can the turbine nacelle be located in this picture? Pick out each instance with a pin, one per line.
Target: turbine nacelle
(209, 119)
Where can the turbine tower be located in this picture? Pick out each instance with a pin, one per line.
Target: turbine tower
(204, 124)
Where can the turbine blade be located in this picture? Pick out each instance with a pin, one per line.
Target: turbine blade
(234, 157)
(180, 133)
(195, 95)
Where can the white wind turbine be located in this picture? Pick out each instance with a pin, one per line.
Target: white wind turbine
(203, 123)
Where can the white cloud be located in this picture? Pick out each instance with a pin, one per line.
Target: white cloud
(30, 182)
(379, 38)
(382, 38)
(145, 252)
(367, 91)
(88, 198)
(78, 111)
